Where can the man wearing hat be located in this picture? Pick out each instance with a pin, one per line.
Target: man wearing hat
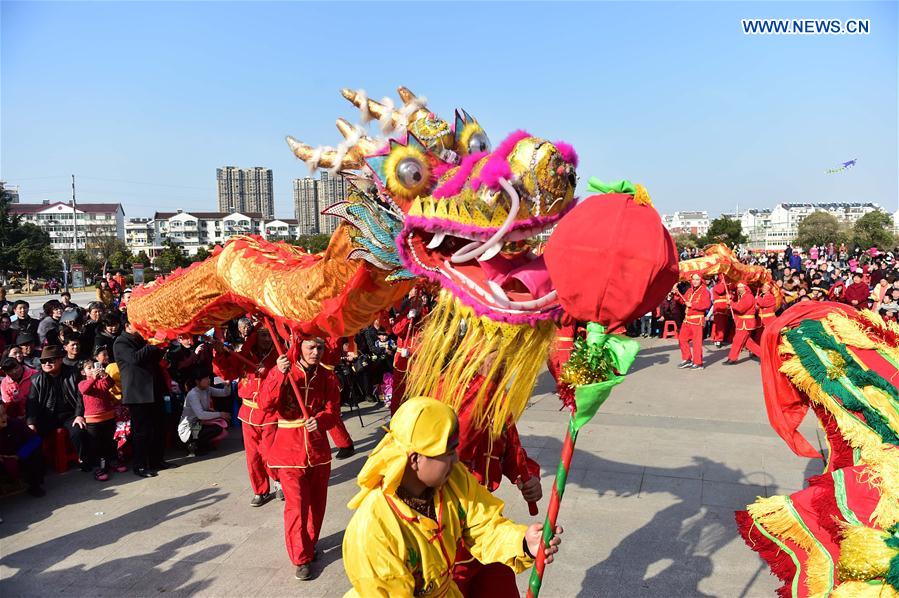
(53, 400)
(745, 322)
(416, 502)
(698, 300)
(27, 342)
(299, 449)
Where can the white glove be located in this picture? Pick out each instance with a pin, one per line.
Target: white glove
(412, 313)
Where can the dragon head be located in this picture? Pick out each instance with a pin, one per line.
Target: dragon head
(436, 201)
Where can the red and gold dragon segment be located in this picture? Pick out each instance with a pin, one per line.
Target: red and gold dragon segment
(432, 201)
(720, 260)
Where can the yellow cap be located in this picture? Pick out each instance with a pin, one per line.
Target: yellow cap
(421, 425)
(424, 426)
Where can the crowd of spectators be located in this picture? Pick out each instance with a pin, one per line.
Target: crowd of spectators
(861, 278)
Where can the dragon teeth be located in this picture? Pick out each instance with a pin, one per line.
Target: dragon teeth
(490, 253)
(436, 240)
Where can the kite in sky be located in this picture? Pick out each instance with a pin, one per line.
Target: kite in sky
(844, 166)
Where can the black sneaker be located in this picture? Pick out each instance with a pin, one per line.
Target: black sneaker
(303, 573)
(685, 364)
(697, 367)
(192, 449)
(279, 494)
(728, 362)
(164, 465)
(260, 499)
(345, 453)
(142, 472)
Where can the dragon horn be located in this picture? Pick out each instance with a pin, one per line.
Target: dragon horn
(375, 110)
(324, 157)
(364, 146)
(405, 94)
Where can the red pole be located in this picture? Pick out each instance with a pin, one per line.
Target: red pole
(293, 383)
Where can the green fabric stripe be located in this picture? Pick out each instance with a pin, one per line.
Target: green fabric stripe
(808, 339)
(839, 490)
(889, 358)
(785, 548)
(830, 569)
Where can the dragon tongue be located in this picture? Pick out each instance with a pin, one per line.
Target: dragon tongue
(533, 275)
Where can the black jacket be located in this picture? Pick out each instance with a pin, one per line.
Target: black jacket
(142, 380)
(46, 407)
(104, 339)
(29, 325)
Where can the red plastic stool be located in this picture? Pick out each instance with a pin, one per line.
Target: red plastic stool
(59, 451)
(670, 329)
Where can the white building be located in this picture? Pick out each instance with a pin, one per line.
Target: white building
(283, 229)
(192, 230)
(139, 234)
(785, 218)
(694, 223)
(755, 225)
(89, 221)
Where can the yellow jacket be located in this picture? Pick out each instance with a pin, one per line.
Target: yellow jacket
(392, 551)
(113, 371)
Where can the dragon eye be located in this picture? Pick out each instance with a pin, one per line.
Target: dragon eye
(478, 143)
(409, 172)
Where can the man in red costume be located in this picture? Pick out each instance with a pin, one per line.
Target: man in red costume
(258, 426)
(857, 293)
(407, 330)
(339, 434)
(720, 312)
(299, 449)
(766, 303)
(698, 300)
(746, 323)
(489, 459)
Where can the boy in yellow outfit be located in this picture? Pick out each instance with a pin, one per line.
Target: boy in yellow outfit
(416, 502)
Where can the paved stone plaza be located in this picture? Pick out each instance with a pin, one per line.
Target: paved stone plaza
(648, 511)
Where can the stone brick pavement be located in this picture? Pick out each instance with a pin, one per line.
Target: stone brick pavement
(648, 510)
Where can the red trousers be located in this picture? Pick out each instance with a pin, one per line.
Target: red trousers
(719, 326)
(305, 498)
(340, 436)
(743, 338)
(477, 580)
(255, 439)
(691, 332)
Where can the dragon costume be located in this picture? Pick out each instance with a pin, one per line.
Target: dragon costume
(719, 259)
(840, 535)
(431, 201)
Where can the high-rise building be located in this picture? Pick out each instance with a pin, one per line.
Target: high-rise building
(245, 190)
(331, 190)
(305, 205)
(311, 197)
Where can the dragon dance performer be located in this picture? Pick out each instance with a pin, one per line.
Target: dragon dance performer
(720, 311)
(417, 503)
(258, 426)
(698, 300)
(339, 434)
(488, 459)
(766, 303)
(299, 448)
(407, 330)
(746, 323)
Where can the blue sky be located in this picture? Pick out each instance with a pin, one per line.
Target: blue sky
(671, 95)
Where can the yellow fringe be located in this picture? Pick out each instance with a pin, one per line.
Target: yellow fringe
(882, 461)
(882, 402)
(847, 331)
(457, 345)
(863, 553)
(774, 514)
(860, 589)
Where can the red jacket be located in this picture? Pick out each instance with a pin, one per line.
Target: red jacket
(488, 460)
(230, 367)
(698, 302)
(719, 297)
(744, 312)
(97, 403)
(293, 445)
(766, 305)
(857, 291)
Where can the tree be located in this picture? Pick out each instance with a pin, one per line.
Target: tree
(312, 243)
(686, 241)
(202, 254)
(725, 230)
(142, 258)
(874, 229)
(819, 228)
(170, 258)
(109, 249)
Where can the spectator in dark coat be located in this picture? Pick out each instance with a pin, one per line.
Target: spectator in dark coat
(48, 328)
(23, 322)
(672, 309)
(143, 389)
(110, 327)
(92, 326)
(53, 400)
